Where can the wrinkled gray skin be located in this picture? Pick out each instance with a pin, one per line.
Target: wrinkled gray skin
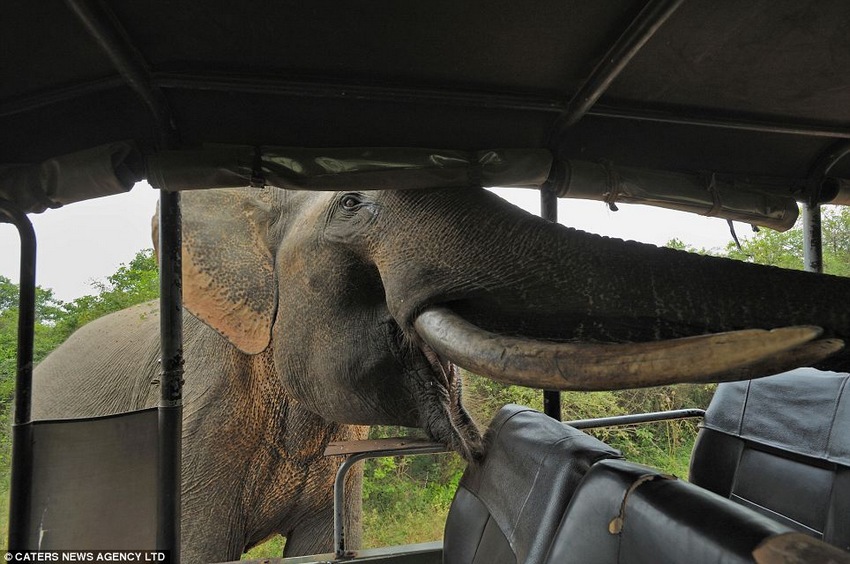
(306, 304)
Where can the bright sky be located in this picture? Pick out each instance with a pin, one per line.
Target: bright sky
(88, 241)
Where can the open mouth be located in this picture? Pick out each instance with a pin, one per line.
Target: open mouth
(449, 423)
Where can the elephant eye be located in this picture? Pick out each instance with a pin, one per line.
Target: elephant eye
(350, 202)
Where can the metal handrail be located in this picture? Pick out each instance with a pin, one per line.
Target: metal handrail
(170, 431)
(409, 448)
(635, 418)
(402, 447)
(21, 482)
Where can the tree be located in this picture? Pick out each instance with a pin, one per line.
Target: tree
(786, 249)
(131, 284)
(771, 247)
(48, 310)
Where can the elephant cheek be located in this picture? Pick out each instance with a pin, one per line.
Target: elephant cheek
(358, 390)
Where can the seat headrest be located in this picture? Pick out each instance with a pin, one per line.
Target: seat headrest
(804, 411)
(531, 467)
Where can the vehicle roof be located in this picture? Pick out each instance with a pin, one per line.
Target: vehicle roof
(755, 89)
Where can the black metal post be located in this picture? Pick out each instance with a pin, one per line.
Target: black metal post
(549, 212)
(818, 181)
(21, 480)
(812, 238)
(171, 379)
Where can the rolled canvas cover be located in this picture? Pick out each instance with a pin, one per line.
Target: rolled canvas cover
(94, 483)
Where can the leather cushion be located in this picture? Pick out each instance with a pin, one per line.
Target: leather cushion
(779, 445)
(664, 521)
(531, 469)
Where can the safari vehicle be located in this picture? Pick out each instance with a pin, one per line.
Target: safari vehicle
(730, 109)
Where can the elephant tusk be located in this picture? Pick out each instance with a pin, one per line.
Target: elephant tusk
(804, 355)
(735, 355)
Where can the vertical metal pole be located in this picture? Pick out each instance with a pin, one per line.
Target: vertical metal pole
(812, 238)
(549, 212)
(171, 380)
(21, 480)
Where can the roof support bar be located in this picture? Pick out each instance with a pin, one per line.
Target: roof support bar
(171, 378)
(331, 87)
(549, 212)
(644, 26)
(812, 238)
(105, 29)
(820, 189)
(753, 123)
(21, 487)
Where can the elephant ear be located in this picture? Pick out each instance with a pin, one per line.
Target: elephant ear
(228, 266)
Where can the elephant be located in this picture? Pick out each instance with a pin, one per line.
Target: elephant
(311, 315)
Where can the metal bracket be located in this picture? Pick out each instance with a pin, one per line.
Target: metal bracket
(362, 450)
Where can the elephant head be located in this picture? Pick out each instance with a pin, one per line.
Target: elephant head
(370, 299)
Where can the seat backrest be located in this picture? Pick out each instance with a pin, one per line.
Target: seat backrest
(781, 446)
(626, 513)
(507, 508)
(94, 483)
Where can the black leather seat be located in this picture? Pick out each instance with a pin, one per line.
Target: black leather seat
(506, 509)
(626, 513)
(781, 446)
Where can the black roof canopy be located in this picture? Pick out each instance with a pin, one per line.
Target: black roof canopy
(750, 90)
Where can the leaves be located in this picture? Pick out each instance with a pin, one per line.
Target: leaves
(131, 284)
(785, 250)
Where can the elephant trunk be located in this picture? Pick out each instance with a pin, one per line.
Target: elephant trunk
(552, 307)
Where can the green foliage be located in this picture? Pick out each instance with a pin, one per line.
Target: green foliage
(406, 499)
(131, 284)
(785, 250)
(678, 244)
(48, 312)
(271, 548)
(664, 445)
(771, 247)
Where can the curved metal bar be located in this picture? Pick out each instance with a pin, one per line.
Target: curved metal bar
(106, 31)
(649, 20)
(339, 487)
(636, 418)
(21, 483)
(820, 169)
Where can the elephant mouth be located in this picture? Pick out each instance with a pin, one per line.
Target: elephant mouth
(717, 357)
(447, 420)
